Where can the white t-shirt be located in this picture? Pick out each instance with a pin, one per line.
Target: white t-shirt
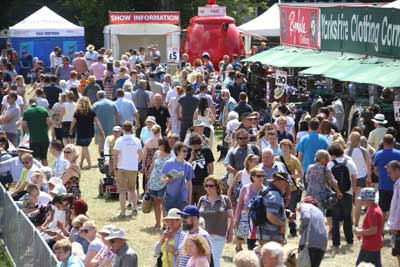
(358, 158)
(350, 164)
(70, 84)
(42, 102)
(289, 124)
(19, 101)
(245, 177)
(44, 199)
(171, 93)
(128, 147)
(69, 111)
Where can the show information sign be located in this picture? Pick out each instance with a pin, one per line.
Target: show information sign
(362, 30)
(300, 26)
(170, 17)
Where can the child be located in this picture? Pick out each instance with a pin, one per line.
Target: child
(28, 201)
(83, 82)
(371, 230)
(196, 246)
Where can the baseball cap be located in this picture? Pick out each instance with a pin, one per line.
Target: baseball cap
(367, 193)
(117, 129)
(190, 210)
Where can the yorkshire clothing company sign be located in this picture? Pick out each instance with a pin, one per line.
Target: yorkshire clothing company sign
(362, 30)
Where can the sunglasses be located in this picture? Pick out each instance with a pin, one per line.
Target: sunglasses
(84, 231)
(243, 138)
(209, 185)
(25, 162)
(260, 176)
(67, 152)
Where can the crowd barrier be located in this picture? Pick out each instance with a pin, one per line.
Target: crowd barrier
(23, 241)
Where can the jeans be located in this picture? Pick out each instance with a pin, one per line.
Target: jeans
(342, 210)
(316, 256)
(185, 125)
(373, 257)
(218, 244)
(292, 207)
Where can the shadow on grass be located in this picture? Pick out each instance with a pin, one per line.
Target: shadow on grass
(151, 230)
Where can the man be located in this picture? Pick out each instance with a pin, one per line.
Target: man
(124, 255)
(228, 105)
(345, 172)
(269, 165)
(40, 99)
(108, 113)
(126, 108)
(160, 112)
(371, 230)
(10, 118)
(225, 62)
(97, 69)
(29, 168)
(247, 124)
(89, 232)
(242, 106)
(207, 64)
(234, 160)
(274, 228)
(109, 150)
(376, 135)
(19, 102)
(80, 64)
(385, 184)
(185, 109)
(51, 90)
(91, 55)
(60, 164)
(173, 92)
(202, 160)
(237, 86)
(127, 155)
(393, 169)
(190, 226)
(52, 56)
(155, 86)
(281, 131)
(203, 93)
(63, 70)
(13, 166)
(235, 63)
(141, 99)
(173, 223)
(273, 143)
(36, 122)
(310, 144)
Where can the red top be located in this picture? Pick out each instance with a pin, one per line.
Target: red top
(373, 217)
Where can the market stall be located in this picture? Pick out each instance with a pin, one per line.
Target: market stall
(39, 33)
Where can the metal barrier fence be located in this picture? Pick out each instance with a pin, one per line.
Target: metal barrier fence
(24, 242)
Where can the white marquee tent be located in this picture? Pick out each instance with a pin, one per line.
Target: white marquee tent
(395, 4)
(267, 24)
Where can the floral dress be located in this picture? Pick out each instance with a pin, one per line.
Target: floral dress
(149, 160)
(317, 178)
(155, 182)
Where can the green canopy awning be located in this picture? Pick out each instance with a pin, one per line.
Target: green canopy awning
(263, 54)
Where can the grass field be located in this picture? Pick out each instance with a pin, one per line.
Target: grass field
(142, 238)
(5, 260)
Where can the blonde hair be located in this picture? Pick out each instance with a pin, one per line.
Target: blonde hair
(83, 105)
(20, 78)
(63, 244)
(91, 79)
(156, 129)
(321, 154)
(246, 258)
(201, 244)
(90, 224)
(79, 220)
(74, 150)
(354, 139)
(248, 159)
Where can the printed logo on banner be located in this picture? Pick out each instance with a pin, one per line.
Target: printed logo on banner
(69, 48)
(281, 78)
(170, 17)
(173, 55)
(300, 26)
(26, 48)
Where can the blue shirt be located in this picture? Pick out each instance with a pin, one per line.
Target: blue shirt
(73, 261)
(145, 134)
(105, 110)
(382, 158)
(309, 145)
(178, 186)
(127, 110)
(277, 167)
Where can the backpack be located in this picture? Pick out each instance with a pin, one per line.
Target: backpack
(257, 209)
(342, 175)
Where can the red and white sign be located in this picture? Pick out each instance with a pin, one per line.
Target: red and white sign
(172, 17)
(300, 26)
(211, 11)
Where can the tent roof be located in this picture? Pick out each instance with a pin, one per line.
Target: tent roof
(395, 4)
(267, 24)
(43, 20)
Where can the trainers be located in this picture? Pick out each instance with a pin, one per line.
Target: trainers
(129, 207)
(134, 212)
(120, 216)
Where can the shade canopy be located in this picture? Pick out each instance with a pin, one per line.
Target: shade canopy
(267, 24)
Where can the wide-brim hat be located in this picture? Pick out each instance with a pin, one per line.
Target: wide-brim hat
(279, 92)
(247, 115)
(379, 119)
(23, 148)
(117, 129)
(173, 214)
(198, 123)
(116, 233)
(279, 176)
(151, 119)
(107, 229)
(90, 47)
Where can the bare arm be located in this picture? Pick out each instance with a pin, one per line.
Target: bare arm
(72, 127)
(98, 124)
(235, 180)
(300, 156)
(210, 168)
(190, 188)
(115, 158)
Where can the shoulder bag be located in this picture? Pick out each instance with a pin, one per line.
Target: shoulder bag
(303, 259)
(300, 192)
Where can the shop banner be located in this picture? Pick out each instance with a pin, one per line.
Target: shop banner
(170, 17)
(299, 26)
(362, 30)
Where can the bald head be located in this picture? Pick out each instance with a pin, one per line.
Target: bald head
(268, 157)
(157, 100)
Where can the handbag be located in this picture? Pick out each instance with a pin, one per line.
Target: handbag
(300, 192)
(329, 199)
(147, 204)
(303, 259)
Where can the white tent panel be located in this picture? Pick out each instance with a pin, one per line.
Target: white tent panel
(395, 4)
(140, 29)
(267, 24)
(45, 23)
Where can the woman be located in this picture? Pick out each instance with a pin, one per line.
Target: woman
(175, 123)
(57, 114)
(262, 141)
(69, 110)
(150, 149)
(156, 186)
(72, 173)
(84, 120)
(319, 178)
(63, 251)
(73, 80)
(21, 88)
(120, 79)
(362, 160)
(272, 255)
(241, 179)
(177, 174)
(203, 113)
(75, 235)
(246, 258)
(91, 89)
(241, 220)
(325, 129)
(108, 80)
(105, 256)
(216, 209)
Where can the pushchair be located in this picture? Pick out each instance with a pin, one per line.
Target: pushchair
(107, 184)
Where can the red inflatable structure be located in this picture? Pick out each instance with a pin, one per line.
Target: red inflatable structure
(214, 34)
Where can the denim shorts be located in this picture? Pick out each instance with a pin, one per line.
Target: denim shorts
(157, 193)
(362, 182)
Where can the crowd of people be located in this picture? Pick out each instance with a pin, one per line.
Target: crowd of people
(283, 177)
